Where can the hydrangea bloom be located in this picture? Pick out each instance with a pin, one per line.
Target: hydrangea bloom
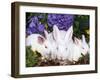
(41, 27)
(34, 26)
(63, 21)
(41, 16)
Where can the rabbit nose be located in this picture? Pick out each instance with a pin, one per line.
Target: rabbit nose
(62, 49)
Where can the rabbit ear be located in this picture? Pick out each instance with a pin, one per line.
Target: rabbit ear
(69, 33)
(46, 34)
(41, 40)
(85, 45)
(56, 33)
(83, 39)
(77, 41)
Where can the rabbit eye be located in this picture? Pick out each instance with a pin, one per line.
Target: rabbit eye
(82, 47)
(46, 46)
(66, 48)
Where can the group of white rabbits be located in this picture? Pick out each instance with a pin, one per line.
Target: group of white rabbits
(59, 44)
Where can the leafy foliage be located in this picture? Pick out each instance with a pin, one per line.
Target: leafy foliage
(81, 26)
(84, 59)
(32, 58)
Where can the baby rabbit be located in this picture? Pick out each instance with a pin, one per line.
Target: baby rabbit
(66, 47)
(61, 39)
(53, 50)
(84, 46)
(77, 47)
(74, 50)
(39, 43)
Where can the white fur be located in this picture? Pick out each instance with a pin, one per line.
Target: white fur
(85, 46)
(43, 48)
(59, 44)
(62, 39)
(66, 48)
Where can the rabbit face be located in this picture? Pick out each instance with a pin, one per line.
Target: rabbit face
(75, 50)
(84, 46)
(61, 51)
(80, 46)
(38, 43)
(62, 39)
(52, 46)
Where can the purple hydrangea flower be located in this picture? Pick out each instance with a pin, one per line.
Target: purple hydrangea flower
(41, 16)
(34, 26)
(34, 19)
(41, 27)
(28, 31)
(31, 30)
(63, 21)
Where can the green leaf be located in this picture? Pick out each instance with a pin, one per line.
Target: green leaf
(32, 58)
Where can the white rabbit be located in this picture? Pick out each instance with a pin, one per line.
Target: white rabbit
(38, 43)
(65, 47)
(85, 46)
(53, 49)
(62, 39)
(77, 47)
(74, 50)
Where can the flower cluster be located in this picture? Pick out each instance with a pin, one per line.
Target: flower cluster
(34, 26)
(63, 21)
(37, 23)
